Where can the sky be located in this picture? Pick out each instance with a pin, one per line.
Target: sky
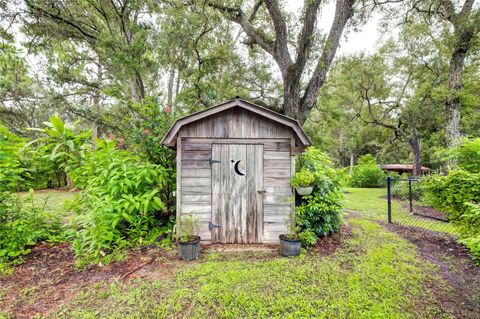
(364, 40)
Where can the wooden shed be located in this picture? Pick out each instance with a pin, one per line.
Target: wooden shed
(234, 166)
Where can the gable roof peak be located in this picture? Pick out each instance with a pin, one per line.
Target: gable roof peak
(170, 137)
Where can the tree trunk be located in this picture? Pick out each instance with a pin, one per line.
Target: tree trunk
(415, 144)
(452, 102)
(177, 90)
(341, 148)
(295, 105)
(352, 160)
(465, 25)
(96, 100)
(291, 99)
(171, 79)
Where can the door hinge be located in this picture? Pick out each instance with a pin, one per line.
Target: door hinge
(211, 225)
(212, 161)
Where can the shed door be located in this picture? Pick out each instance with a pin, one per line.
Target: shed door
(237, 193)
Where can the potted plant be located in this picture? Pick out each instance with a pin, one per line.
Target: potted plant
(303, 182)
(187, 237)
(290, 243)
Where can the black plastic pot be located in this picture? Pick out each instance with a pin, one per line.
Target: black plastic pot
(189, 250)
(289, 247)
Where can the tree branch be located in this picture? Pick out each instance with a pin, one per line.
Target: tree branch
(305, 39)
(343, 12)
(238, 16)
(281, 43)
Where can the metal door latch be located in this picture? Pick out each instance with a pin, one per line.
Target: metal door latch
(211, 225)
(212, 161)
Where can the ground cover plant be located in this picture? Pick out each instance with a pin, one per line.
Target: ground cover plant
(369, 272)
(372, 276)
(22, 226)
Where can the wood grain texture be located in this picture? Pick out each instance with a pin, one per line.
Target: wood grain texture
(236, 123)
(264, 148)
(178, 191)
(244, 114)
(236, 205)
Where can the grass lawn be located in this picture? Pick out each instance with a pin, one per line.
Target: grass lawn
(372, 203)
(373, 273)
(51, 201)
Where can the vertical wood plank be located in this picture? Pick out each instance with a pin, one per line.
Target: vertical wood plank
(236, 205)
(178, 191)
(292, 172)
(251, 190)
(216, 193)
(259, 196)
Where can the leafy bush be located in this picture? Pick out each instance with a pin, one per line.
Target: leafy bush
(458, 194)
(11, 170)
(468, 155)
(304, 178)
(145, 133)
(120, 203)
(61, 147)
(367, 173)
(318, 214)
(22, 227)
(470, 228)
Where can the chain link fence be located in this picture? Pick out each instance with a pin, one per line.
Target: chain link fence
(408, 206)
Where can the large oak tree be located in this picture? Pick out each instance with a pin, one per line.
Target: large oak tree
(299, 94)
(464, 18)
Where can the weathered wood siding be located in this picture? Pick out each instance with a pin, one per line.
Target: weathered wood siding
(236, 127)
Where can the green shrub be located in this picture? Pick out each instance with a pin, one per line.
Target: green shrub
(11, 170)
(458, 194)
(22, 227)
(468, 155)
(367, 173)
(60, 148)
(120, 204)
(303, 178)
(318, 214)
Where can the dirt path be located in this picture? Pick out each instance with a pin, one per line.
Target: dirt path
(462, 298)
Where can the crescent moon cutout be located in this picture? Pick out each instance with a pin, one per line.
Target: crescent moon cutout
(237, 170)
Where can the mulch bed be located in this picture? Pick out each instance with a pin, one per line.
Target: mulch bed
(453, 265)
(48, 277)
(429, 212)
(328, 245)
(423, 211)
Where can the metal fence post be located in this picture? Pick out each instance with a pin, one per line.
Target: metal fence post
(410, 194)
(389, 200)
